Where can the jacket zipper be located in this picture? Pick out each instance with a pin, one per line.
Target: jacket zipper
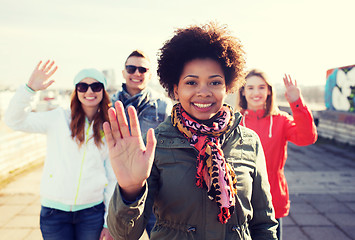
(82, 163)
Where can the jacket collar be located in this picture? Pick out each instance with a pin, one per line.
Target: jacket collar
(259, 114)
(254, 114)
(140, 101)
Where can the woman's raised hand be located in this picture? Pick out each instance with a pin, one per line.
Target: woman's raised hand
(292, 93)
(131, 160)
(41, 74)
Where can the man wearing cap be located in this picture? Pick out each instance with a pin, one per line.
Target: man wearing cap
(152, 107)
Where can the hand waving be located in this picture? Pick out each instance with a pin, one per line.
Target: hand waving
(131, 160)
(292, 93)
(40, 76)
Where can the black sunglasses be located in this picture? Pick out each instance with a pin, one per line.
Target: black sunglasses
(95, 87)
(132, 69)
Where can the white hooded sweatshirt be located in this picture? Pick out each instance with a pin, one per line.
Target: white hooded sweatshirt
(73, 177)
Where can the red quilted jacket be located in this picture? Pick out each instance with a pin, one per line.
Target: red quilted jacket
(274, 132)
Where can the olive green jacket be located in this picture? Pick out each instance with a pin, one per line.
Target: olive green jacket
(183, 210)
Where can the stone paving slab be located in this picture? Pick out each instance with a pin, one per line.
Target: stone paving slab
(310, 219)
(9, 212)
(345, 197)
(351, 206)
(293, 233)
(34, 234)
(321, 182)
(325, 233)
(349, 230)
(316, 198)
(303, 208)
(23, 221)
(337, 207)
(342, 219)
(17, 233)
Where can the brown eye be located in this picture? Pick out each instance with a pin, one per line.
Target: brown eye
(190, 82)
(215, 83)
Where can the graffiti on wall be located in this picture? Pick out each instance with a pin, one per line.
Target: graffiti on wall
(340, 89)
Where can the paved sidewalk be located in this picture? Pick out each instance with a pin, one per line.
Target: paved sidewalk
(20, 207)
(321, 179)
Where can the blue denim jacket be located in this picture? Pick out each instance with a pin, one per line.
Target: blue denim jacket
(152, 108)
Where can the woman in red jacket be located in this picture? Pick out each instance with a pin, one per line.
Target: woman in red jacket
(275, 128)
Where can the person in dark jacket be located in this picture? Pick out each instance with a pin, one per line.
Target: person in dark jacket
(152, 107)
(202, 172)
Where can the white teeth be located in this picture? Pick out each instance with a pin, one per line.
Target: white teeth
(136, 80)
(201, 105)
(90, 98)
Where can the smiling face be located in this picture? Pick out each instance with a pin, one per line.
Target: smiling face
(256, 91)
(201, 89)
(90, 99)
(136, 81)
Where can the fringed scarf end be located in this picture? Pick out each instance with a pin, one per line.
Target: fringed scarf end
(224, 215)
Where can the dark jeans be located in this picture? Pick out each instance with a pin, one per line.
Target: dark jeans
(150, 224)
(279, 229)
(85, 224)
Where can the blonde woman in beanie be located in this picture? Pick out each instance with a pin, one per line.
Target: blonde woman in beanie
(77, 180)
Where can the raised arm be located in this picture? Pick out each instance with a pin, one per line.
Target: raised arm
(39, 79)
(131, 160)
(18, 115)
(300, 128)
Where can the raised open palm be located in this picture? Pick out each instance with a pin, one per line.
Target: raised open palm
(41, 74)
(131, 160)
(293, 92)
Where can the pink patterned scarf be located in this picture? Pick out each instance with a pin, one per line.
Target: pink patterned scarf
(213, 172)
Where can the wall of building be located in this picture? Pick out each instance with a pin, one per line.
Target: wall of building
(340, 89)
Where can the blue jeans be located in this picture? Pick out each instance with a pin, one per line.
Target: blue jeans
(84, 224)
(150, 224)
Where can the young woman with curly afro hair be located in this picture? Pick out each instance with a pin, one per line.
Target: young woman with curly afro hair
(204, 175)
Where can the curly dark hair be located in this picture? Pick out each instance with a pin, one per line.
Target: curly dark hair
(199, 42)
